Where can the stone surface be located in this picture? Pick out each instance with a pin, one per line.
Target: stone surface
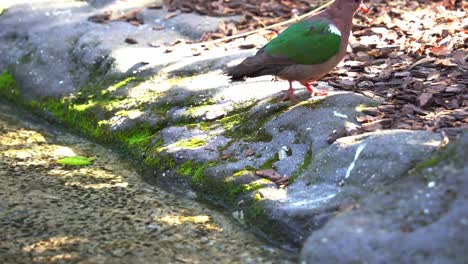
(344, 173)
(53, 49)
(421, 218)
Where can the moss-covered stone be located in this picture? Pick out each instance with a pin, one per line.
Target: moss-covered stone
(269, 164)
(8, 87)
(305, 164)
(444, 154)
(191, 143)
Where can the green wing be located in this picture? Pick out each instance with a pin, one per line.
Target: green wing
(306, 42)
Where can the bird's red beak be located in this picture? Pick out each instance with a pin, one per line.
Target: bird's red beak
(364, 8)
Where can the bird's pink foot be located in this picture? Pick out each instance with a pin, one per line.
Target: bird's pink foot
(317, 92)
(290, 96)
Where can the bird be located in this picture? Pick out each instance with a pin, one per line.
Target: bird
(305, 51)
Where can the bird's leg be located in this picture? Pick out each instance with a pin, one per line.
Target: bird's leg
(290, 95)
(318, 92)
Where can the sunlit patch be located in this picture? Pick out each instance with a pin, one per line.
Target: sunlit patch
(54, 243)
(20, 154)
(56, 258)
(188, 143)
(433, 143)
(62, 151)
(89, 178)
(203, 220)
(132, 114)
(83, 107)
(21, 137)
(97, 186)
(321, 199)
(274, 194)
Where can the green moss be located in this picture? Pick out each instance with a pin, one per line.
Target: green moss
(160, 162)
(305, 164)
(360, 108)
(187, 168)
(121, 84)
(198, 177)
(269, 164)
(137, 137)
(234, 189)
(427, 163)
(8, 87)
(191, 143)
(258, 197)
(26, 59)
(310, 104)
(254, 211)
(63, 111)
(241, 173)
(76, 161)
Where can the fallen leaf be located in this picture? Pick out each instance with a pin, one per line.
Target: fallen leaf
(440, 51)
(270, 174)
(424, 99)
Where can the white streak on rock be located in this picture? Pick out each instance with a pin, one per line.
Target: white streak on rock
(335, 113)
(356, 156)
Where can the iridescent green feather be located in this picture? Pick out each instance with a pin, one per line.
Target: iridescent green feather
(306, 42)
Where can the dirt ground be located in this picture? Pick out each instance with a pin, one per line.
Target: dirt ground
(103, 213)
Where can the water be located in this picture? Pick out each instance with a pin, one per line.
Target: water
(103, 213)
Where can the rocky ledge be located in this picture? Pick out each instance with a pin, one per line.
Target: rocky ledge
(376, 197)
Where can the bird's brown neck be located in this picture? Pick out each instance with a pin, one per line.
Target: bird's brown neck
(343, 19)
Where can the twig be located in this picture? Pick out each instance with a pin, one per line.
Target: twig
(294, 19)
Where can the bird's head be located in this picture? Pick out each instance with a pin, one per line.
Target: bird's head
(351, 5)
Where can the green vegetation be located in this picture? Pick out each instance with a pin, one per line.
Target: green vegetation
(235, 189)
(187, 168)
(428, 163)
(442, 155)
(76, 161)
(305, 164)
(269, 164)
(243, 172)
(8, 87)
(240, 125)
(191, 143)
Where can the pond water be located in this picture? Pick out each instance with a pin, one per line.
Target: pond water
(104, 212)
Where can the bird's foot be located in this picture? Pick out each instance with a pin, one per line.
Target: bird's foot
(290, 97)
(317, 92)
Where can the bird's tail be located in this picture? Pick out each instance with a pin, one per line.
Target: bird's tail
(251, 68)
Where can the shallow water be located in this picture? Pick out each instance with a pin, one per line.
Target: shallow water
(103, 213)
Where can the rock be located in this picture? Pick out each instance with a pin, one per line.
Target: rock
(323, 117)
(73, 50)
(349, 170)
(422, 218)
